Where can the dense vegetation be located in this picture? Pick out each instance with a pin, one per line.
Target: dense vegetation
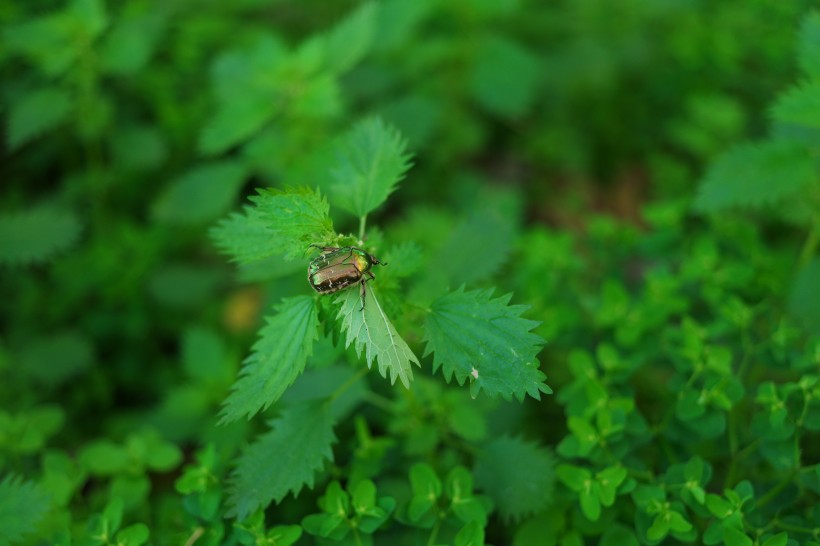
(598, 321)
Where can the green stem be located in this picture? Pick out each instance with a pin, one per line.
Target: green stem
(434, 532)
(776, 490)
(362, 224)
(357, 537)
(347, 384)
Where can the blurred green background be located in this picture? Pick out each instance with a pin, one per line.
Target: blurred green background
(132, 126)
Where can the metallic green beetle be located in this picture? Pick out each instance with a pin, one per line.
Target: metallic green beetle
(337, 268)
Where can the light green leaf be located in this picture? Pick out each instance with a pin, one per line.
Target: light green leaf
(282, 460)
(471, 534)
(372, 330)
(278, 358)
(735, 537)
(574, 477)
(518, 475)
(35, 113)
(799, 105)
(658, 529)
(808, 54)
(590, 504)
(755, 175)
(350, 39)
(133, 535)
(284, 223)
(23, 505)
(486, 340)
(780, 539)
(371, 160)
(36, 234)
(201, 194)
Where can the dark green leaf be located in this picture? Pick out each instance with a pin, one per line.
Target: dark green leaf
(36, 113)
(299, 441)
(755, 175)
(278, 358)
(505, 77)
(518, 475)
(37, 234)
(485, 340)
(200, 195)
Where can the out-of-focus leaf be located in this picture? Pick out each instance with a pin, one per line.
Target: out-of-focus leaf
(37, 234)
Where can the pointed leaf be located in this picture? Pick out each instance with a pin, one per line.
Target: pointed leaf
(486, 340)
(283, 223)
(372, 330)
(278, 358)
(35, 113)
(282, 460)
(371, 160)
(755, 175)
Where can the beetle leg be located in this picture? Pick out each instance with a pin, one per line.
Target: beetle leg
(370, 274)
(363, 294)
(323, 248)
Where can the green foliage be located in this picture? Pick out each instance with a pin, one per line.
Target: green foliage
(299, 441)
(486, 341)
(756, 175)
(280, 223)
(556, 158)
(517, 474)
(278, 359)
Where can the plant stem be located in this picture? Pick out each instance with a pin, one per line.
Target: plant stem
(362, 224)
(347, 384)
(434, 532)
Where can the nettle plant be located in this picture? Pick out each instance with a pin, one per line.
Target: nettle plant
(473, 337)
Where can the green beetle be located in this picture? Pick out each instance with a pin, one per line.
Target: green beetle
(337, 268)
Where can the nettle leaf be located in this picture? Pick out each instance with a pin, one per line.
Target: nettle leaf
(37, 234)
(282, 222)
(486, 340)
(808, 54)
(282, 460)
(200, 195)
(755, 175)
(518, 475)
(278, 358)
(799, 105)
(35, 113)
(372, 330)
(23, 505)
(371, 159)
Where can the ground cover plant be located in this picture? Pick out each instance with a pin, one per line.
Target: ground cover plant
(593, 229)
